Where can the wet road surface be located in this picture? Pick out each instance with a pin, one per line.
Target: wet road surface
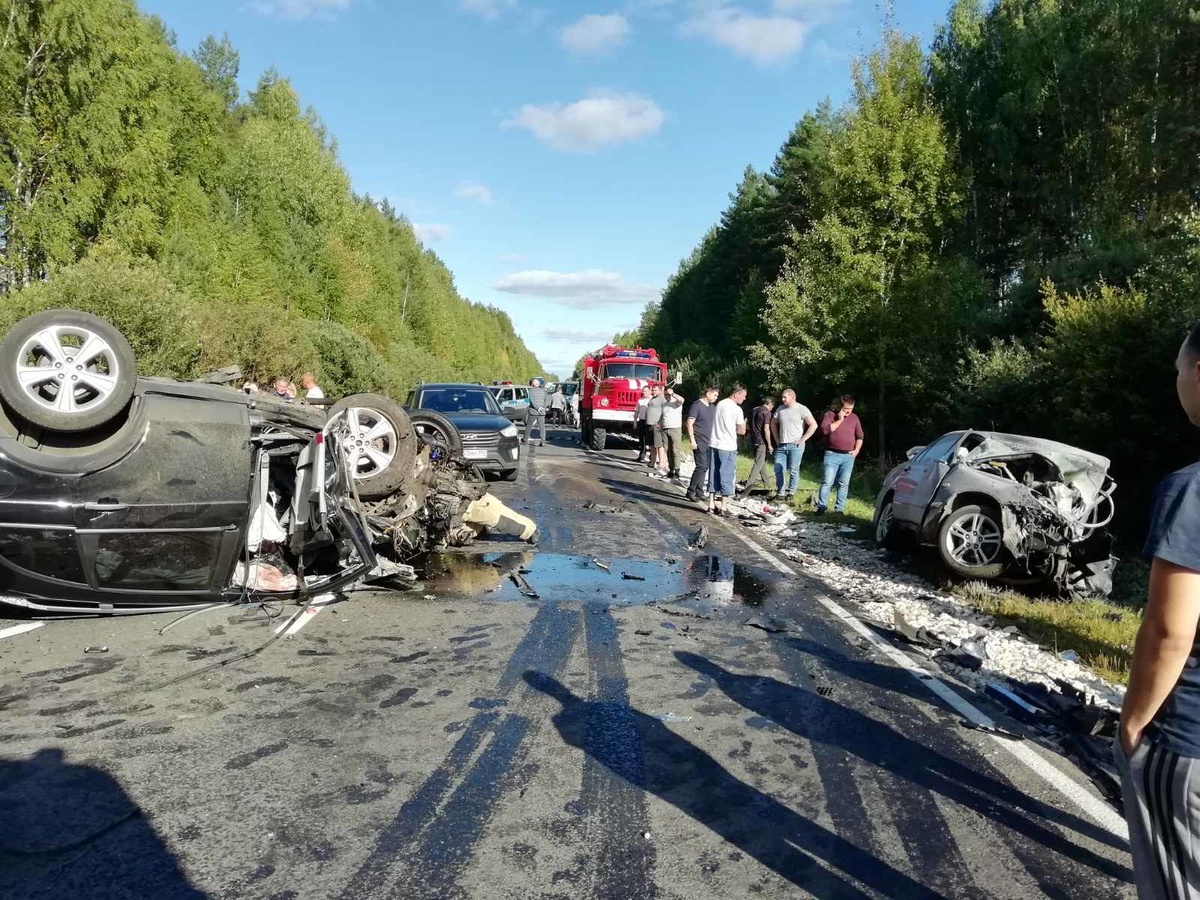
(593, 720)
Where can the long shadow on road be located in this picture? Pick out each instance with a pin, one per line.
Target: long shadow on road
(70, 831)
(812, 717)
(682, 774)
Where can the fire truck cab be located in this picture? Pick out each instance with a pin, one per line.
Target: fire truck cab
(612, 382)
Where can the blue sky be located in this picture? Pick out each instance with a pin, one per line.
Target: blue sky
(561, 157)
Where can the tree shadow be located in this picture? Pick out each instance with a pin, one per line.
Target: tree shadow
(675, 770)
(69, 831)
(818, 719)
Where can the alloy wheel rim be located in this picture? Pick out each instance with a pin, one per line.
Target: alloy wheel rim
(974, 541)
(370, 444)
(67, 369)
(884, 525)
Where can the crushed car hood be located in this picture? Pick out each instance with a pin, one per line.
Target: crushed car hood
(1084, 471)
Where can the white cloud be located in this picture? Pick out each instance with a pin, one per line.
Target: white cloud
(295, 10)
(588, 289)
(764, 39)
(473, 190)
(602, 119)
(431, 232)
(595, 35)
(489, 9)
(576, 335)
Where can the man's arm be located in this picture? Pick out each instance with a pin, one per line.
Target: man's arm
(741, 429)
(857, 448)
(829, 423)
(691, 432)
(810, 428)
(1163, 643)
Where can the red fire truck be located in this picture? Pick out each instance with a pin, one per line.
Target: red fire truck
(612, 382)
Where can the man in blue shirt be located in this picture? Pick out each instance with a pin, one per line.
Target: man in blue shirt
(1158, 745)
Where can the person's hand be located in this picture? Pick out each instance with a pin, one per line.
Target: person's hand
(854, 454)
(841, 415)
(1130, 739)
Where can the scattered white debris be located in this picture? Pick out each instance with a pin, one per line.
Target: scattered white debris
(879, 590)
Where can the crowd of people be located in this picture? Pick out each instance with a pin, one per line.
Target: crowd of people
(776, 432)
(282, 388)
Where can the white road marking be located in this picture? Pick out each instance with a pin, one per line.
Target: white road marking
(1097, 810)
(304, 616)
(20, 629)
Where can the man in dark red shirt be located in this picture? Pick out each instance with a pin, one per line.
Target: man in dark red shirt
(843, 435)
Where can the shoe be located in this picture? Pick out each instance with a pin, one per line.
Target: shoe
(692, 497)
(778, 498)
(820, 510)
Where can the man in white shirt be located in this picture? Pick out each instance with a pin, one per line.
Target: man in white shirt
(639, 426)
(728, 422)
(311, 391)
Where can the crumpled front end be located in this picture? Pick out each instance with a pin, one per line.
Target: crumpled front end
(1056, 504)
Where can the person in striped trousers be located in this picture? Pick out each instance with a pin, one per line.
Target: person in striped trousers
(1158, 744)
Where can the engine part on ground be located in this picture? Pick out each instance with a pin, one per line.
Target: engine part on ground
(489, 512)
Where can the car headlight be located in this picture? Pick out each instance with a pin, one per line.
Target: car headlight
(509, 431)
(604, 401)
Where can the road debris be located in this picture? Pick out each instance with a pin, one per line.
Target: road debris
(600, 564)
(630, 577)
(671, 718)
(700, 539)
(771, 625)
(98, 649)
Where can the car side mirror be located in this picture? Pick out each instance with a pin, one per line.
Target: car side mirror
(914, 451)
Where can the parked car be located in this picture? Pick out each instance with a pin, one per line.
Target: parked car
(121, 493)
(513, 400)
(1003, 506)
(488, 438)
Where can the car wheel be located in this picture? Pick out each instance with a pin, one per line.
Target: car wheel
(438, 431)
(66, 371)
(887, 533)
(377, 438)
(597, 438)
(971, 542)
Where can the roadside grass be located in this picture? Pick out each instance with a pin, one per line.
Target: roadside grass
(1099, 631)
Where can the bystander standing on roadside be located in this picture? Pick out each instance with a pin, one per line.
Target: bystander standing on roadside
(639, 425)
(728, 423)
(843, 434)
(281, 389)
(558, 406)
(1158, 744)
(311, 390)
(792, 426)
(699, 429)
(762, 440)
(672, 430)
(539, 401)
(573, 405)
(654, 408)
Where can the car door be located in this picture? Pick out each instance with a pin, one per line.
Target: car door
(920, 477)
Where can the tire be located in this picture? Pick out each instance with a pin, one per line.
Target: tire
(597, 438)
(437, 430)
(103, 382)
(509, 475)
(377, 438)
(982, 559)
(887, 532)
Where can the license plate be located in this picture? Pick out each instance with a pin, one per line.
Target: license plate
(474, 453)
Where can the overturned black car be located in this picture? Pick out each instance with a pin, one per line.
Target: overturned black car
(123, 494)
(1005, 506)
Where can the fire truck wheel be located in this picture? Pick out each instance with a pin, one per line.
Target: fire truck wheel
(597, 438)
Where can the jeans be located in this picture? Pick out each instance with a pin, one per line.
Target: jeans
(787, 459)
(838, 467)
(698, 486)
(722, 471)
(759, 471)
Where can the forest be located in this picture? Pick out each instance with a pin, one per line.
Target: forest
(138, 182)
(999, 232)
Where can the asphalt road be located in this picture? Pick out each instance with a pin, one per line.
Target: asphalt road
(469, 741)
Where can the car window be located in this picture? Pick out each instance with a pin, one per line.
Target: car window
(52, 553)
(458, 400)
(157, 560)
(940, 449)
(522, 393)
(636, 371)
(412, 397)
